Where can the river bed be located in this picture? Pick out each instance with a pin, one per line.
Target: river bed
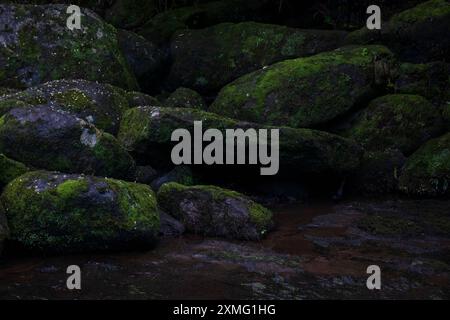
(319, 250)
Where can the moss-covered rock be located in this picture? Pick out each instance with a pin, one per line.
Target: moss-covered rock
(397, 121)
(48, 138)
(430, 80)
(307, 92)
(10, 169)
(146, 60)
(147, 131)
(98, 103)
(213, 211)
(185, 98)
(427, 171)
(379, 172)
(419, 34)
(225, 52)
(67, 213)
(161, 27)
(4, 230)
(36, 47)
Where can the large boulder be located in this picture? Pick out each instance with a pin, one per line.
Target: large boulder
(397, 121)
(208, 59)
(97, 103)
(307, 92)
(146, 131)
(213, 211)
(161, 27)
(145, 59)
(36, 46)
(67, 213)
(419, 34)
(429, 80)
(10, 169)
(4, 230)
(427, 171)
(48, 138)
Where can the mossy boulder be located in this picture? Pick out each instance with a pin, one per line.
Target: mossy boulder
(146, 60)
(307, 92)
(10, 169)
(36, 46)
(63, 213)
(224, 52)
(4, 230)
(98, 103)
(162, 27)
(185, 98)
(213, 211)
(427, 171)
(48, 138)
(397, 121)
(418, 35)
(430, 80)
(146, 131)
(379, 172)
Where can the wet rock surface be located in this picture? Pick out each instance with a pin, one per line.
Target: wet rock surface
(317, 251)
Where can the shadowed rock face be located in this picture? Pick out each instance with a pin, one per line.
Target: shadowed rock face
(429, 80)
(160, 28)
(185, 98)
(427, 171)
(67, 213)
(10, 169)
(146, 60)
(307, 92)
(208, 59)
(214, 211)
(48, 138)
(4, 230)
(147, 131)
(36, 47)
(397, 121)
(418, 35)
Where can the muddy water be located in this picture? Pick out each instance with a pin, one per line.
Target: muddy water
(318, 250)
